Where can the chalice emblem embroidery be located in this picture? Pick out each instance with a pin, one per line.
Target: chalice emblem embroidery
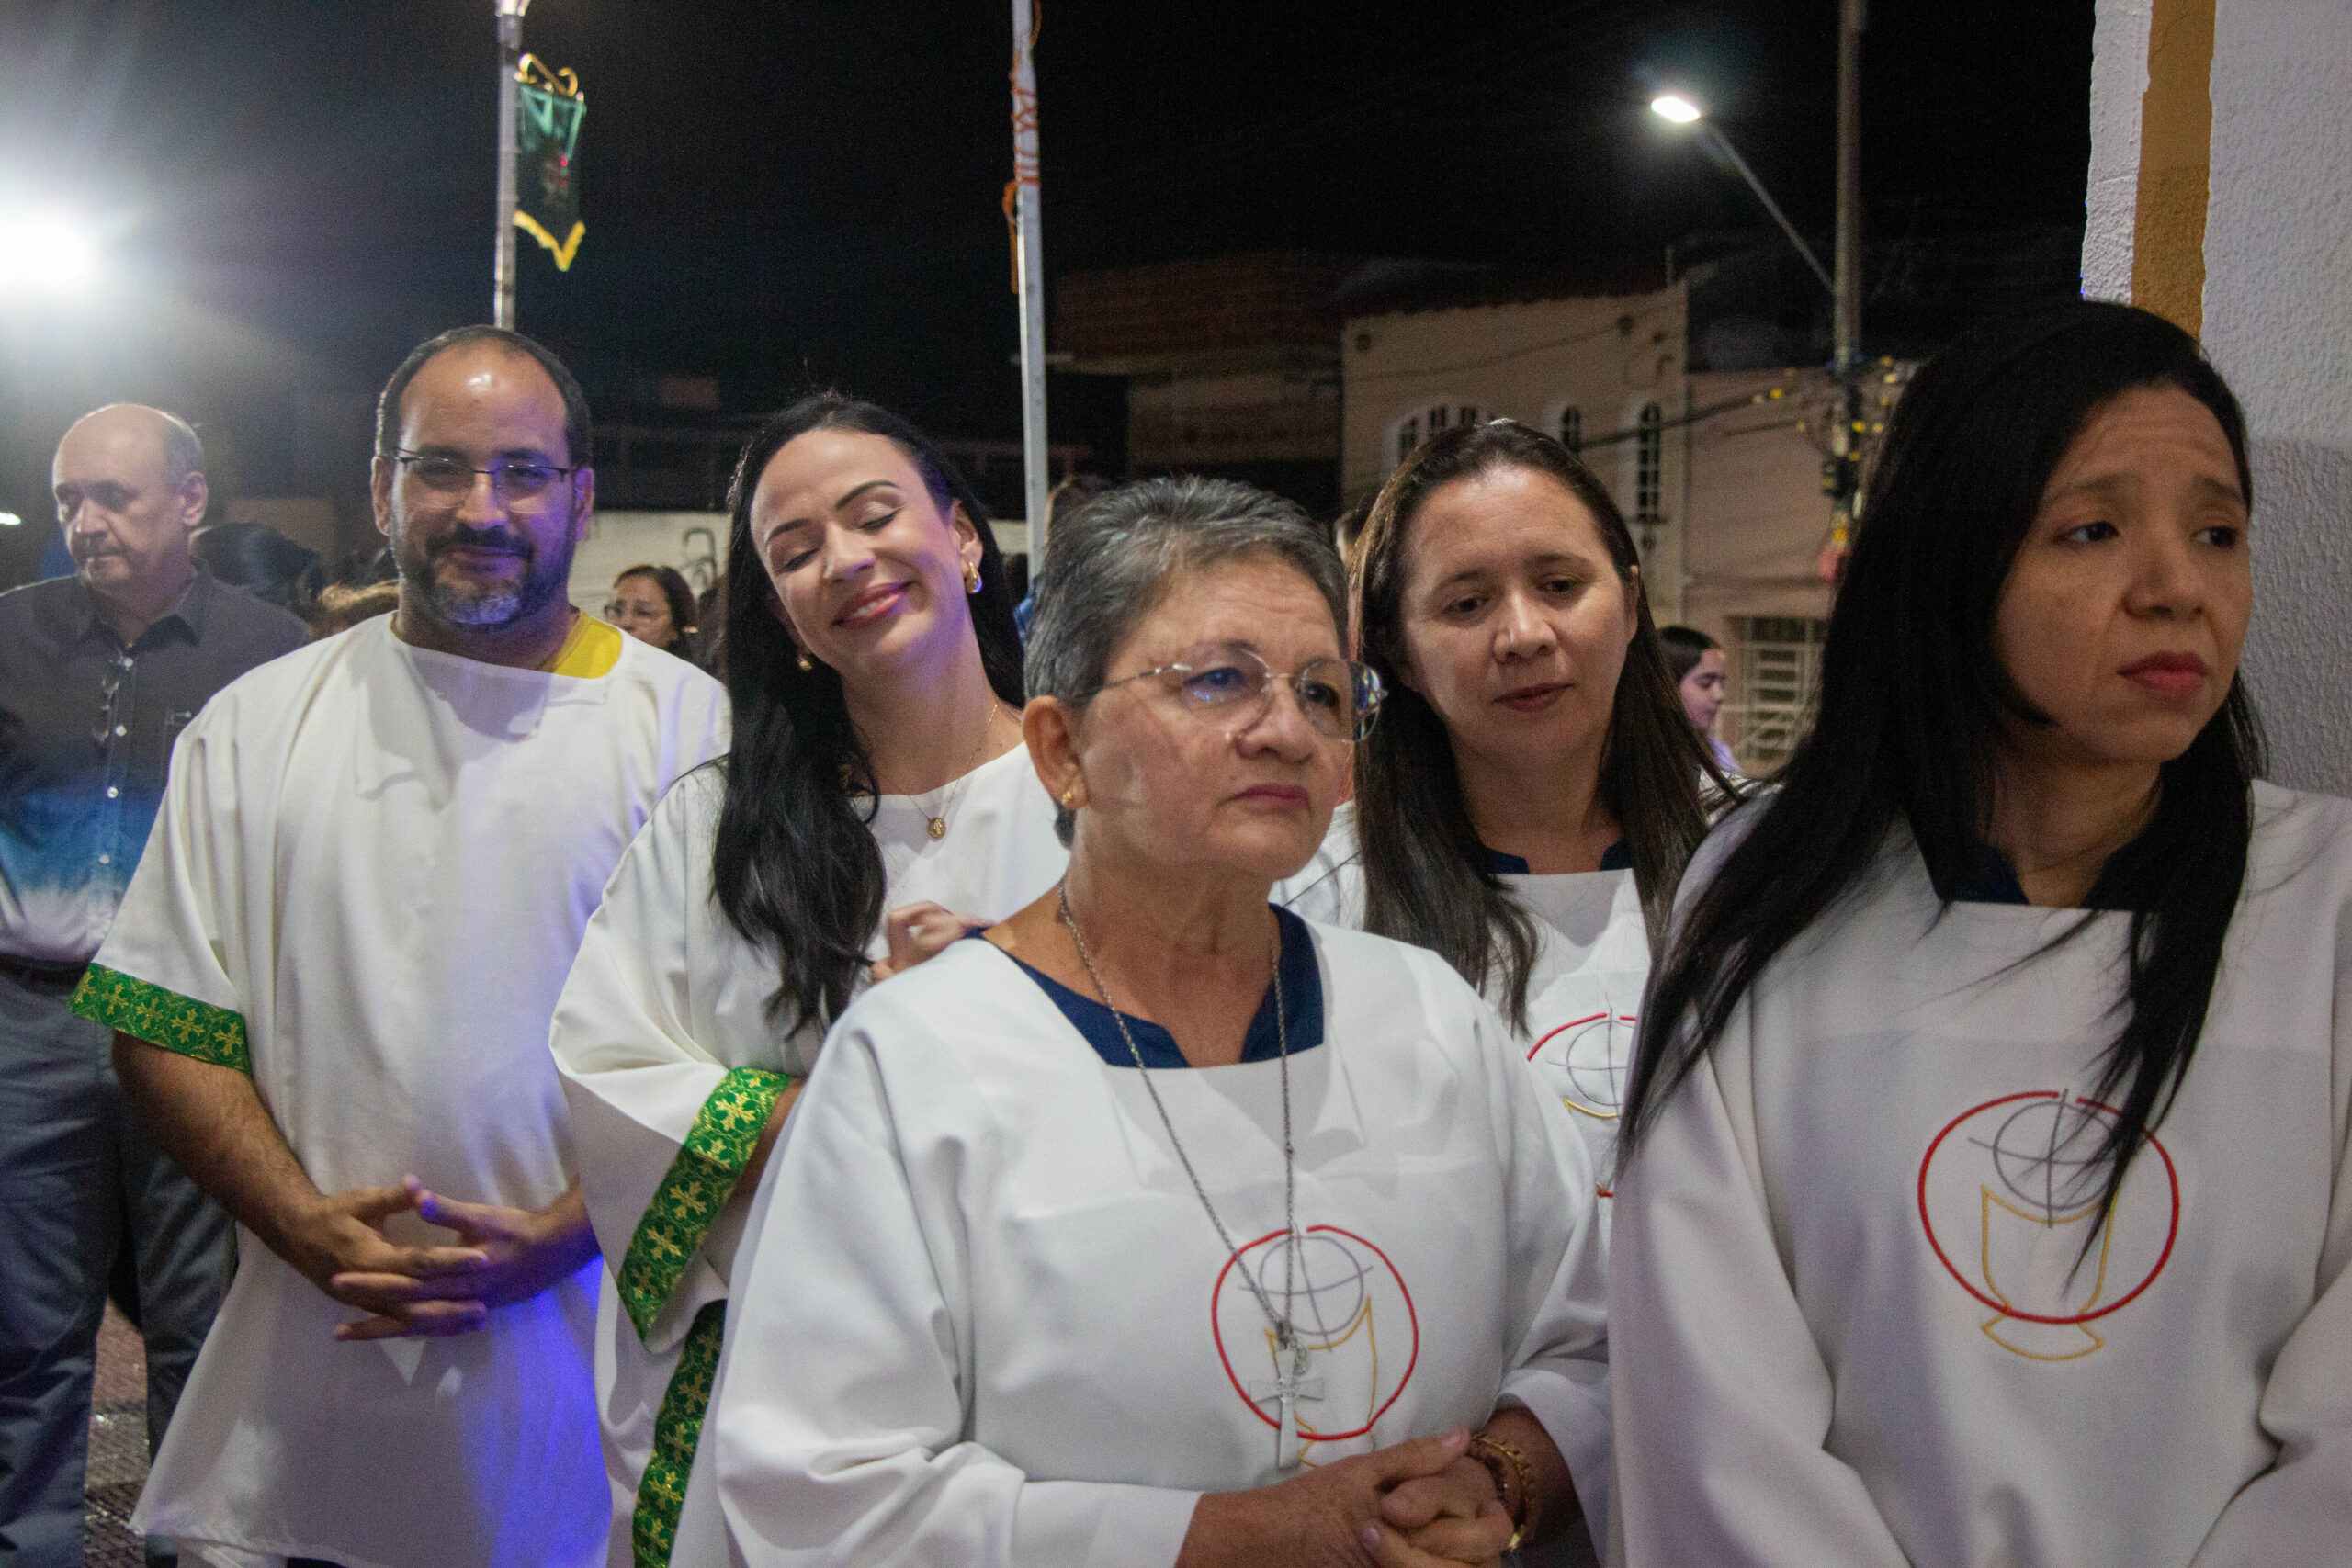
(1356, 1339)
(2009, 1195)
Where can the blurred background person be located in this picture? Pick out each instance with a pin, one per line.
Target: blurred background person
(98, 672)
(653, 604)
(710, 619)
(1062, 501)
(343, 605)
(264, 562)
(1697, 664)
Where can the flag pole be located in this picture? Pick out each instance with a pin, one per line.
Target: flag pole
(510, 54)
(1021, 209)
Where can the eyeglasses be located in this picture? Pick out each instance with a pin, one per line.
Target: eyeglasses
(511, 482)
(1231, 685)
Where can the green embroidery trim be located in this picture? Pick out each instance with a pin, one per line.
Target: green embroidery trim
(697, 1187)
(653, 1528)
(163, 1018)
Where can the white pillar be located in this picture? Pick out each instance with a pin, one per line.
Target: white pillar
(2275, 314)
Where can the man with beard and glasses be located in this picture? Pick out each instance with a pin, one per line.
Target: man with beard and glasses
(99, 672)
(332, 981)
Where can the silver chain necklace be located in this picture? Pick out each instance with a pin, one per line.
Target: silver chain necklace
(1291, 1383)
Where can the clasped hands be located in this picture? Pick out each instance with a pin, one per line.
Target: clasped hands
(1420, 1503)
(502, 1255)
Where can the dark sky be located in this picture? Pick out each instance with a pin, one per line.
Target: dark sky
(781, 192)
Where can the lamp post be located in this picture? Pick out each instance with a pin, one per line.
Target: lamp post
(510, 55)
(1677, 109)
(1841, 475)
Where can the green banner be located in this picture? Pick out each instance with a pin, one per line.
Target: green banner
(547, 176)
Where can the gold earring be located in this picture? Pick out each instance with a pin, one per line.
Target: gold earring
(971, 577)
(805, 661)
(1066, 795)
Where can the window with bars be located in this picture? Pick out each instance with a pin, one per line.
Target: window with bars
(1776, 676)
(1422, 424)
(1649, 463)
(1571, 430)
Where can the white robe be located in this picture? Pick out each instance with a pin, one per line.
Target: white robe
(1584, 990)
(1844, 1282)
(987, 1321)
(662, 1034)
(372, 870)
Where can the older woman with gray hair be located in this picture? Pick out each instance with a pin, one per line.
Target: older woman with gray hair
(1155, 1226)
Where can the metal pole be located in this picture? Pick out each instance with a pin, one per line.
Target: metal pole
(1848, 323)
(1846, 326)
(1722, 144)
(510, 53)
(1029, 279)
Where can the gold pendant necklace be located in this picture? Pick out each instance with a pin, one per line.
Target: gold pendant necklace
(963, 776)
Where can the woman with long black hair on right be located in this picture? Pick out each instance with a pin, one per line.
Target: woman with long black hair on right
(878, 799)
(1984, 1193)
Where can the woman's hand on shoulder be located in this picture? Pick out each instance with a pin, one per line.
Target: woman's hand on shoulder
(918, 931)
(1419, 1504)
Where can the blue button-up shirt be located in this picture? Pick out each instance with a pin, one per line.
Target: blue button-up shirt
(86, 727)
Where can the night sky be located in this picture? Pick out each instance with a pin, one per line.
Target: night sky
(786, 194)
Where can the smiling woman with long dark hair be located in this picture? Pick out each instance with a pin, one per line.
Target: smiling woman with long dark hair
(1984, 1194)
(878, 766)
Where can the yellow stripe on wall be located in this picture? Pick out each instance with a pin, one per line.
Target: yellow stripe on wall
(2175, 159)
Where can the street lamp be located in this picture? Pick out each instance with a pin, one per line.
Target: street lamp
(1677, 109)
(45, 256)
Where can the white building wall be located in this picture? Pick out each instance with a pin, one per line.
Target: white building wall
(2277, 320)
(2278, 323)
(1607, 357)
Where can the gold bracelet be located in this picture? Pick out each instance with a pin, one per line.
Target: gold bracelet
(1524, 1516)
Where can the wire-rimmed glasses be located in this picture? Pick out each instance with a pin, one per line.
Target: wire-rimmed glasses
(1230, 685)
(514, 483)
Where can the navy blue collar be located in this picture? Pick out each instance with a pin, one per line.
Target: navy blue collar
(2124, 881)
(1298, 974)
(1614, 858)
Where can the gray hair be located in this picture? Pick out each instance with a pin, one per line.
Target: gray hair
(1113, 562)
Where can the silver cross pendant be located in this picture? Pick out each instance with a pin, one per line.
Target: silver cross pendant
(1290, 1385)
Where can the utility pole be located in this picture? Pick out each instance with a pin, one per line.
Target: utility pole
(1022, 214)
(510, 56)
(1843, 476)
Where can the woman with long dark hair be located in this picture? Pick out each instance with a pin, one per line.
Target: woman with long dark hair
(1984, 1194)
(877, 802)
(1532, 793)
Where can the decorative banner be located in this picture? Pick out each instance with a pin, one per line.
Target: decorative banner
(549, 110)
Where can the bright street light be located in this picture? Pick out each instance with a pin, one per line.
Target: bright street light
(46, 256)
(1674, 106)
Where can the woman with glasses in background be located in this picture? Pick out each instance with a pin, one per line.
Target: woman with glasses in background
(653, 604)
(877, 803)
(1155, 1222)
